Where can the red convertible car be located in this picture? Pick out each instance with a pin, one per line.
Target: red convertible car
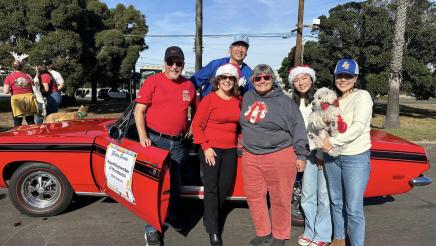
(43, 166)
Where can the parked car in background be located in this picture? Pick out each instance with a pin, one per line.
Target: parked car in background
(113, 93)
(44, 165)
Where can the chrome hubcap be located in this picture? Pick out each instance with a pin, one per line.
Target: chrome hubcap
(41, 189)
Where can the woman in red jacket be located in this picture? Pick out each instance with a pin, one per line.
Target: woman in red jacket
(215, 128)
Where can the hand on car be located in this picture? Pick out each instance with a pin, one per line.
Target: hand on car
(300, 164)
(145, 142)
(209, 155)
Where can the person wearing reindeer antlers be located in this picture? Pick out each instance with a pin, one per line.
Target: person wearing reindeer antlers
(347, 174)
(19, 84)
(315, 200)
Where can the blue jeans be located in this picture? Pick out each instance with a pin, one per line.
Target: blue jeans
(177, 154)
(315, 202)
(347, 177)
(53, 102)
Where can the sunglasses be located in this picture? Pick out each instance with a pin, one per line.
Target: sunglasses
(265, 77)
(224, 77)
(170, 63)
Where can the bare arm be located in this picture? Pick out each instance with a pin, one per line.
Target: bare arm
(140, 124)
(6, 89)
(61, 86)
(45, 87)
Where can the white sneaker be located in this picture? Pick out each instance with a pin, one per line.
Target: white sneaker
(303, 240)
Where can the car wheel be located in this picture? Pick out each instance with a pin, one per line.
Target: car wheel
(297, 216)
(40, 190)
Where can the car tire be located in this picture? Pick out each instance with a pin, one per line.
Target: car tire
(40, 190)
(297, 215)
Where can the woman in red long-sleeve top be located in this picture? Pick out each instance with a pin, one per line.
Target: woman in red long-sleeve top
(215, 128)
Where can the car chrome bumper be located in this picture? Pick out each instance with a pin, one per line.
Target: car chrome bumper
(420, 181)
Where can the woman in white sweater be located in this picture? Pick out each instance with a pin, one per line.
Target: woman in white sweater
(347, 174)
(315, 199)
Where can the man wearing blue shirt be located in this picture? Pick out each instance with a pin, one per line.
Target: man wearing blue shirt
(238, 51)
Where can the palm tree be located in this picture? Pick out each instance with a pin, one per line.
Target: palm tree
(392, 119)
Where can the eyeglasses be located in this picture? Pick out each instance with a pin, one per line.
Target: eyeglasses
(265, 77)
(170, 63)
(224, 77)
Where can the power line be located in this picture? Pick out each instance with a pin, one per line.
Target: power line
(253, 35)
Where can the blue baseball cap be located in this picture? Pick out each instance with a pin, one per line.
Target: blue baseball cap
(347, 66)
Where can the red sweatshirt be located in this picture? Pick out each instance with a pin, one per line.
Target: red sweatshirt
(215, 122)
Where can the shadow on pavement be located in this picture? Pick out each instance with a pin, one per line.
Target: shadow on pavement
(228, 208)
(2, 196)
(80, 202)
(108, 200)
(189, 214)
(377, 200)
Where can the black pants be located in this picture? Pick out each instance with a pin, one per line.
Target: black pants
(218, 182)
(18, 121)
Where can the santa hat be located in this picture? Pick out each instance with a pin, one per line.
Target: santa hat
(301, 69)
(229, 69)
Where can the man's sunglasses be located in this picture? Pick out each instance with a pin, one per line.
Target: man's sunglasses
(170, 63)
(224, 77)
(265, 77)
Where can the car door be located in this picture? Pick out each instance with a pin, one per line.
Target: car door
(136, 177)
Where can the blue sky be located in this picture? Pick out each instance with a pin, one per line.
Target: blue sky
(169, 17)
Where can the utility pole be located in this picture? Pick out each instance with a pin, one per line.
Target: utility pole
(298, 46)
(198, 34)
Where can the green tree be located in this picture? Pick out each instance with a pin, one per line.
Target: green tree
(87, 41)
(364, 31)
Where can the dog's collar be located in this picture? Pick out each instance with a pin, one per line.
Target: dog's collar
(81, 114)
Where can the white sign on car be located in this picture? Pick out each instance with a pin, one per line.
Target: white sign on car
(118, 168)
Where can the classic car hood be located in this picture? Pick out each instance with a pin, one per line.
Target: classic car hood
(76, 128)
(384, 141)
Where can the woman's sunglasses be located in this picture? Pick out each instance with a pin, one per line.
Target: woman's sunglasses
(224, 77)
(265, 77)
(171, 63)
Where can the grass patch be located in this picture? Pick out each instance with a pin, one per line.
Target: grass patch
(411, 128)
(417, 120)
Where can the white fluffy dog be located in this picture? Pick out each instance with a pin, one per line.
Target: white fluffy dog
(325, 108)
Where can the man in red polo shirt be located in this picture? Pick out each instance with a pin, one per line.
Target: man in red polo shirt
(161, 116)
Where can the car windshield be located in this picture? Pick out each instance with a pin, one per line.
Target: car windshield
(123, 121)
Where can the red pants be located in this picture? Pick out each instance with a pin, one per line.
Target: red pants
(273, 173)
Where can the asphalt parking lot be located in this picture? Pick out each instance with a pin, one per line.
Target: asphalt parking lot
(406, 219)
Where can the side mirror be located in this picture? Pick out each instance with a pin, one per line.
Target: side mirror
(115, 133)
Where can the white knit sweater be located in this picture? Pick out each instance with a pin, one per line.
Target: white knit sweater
(356, 111)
